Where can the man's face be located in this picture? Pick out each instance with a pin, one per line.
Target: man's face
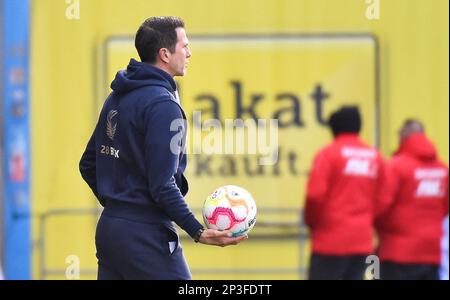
(179, 59)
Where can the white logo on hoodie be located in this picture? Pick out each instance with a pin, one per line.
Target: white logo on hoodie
(110, 127)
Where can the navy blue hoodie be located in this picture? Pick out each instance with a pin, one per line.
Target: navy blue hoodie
(129, 156)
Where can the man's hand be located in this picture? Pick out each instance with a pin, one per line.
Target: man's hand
(220, 238)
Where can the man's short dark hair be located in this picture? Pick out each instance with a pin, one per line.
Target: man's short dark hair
(156, 33)
(414, 123)
(345, 120)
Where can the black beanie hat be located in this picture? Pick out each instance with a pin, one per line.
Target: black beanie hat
(346, 119)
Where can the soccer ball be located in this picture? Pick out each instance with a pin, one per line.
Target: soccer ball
(231, 208)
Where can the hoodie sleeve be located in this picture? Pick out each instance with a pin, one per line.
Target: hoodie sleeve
(391, 181)
(383, 193)
(317, 188)
(162, 149)
(88, 165)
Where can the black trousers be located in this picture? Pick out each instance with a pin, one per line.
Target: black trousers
(330, 267)
(394, 271)
(129, 249)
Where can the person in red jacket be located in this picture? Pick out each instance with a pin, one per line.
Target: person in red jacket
(409, 223)
(340, 201)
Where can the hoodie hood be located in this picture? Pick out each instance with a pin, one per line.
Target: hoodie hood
(139, 74)
(419, 146)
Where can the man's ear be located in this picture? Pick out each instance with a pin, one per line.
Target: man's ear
(164, 55)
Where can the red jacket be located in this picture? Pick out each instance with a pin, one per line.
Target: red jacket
(342, 189)
(410, 222)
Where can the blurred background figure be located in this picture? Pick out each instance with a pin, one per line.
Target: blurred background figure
(410, 222)
(444, 254)
(341, 191)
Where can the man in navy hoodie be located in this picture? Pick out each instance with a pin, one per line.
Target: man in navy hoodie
(134, 163)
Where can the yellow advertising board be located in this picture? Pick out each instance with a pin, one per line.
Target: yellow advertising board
(298, 80)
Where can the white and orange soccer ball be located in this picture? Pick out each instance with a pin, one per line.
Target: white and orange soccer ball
(231, 208)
